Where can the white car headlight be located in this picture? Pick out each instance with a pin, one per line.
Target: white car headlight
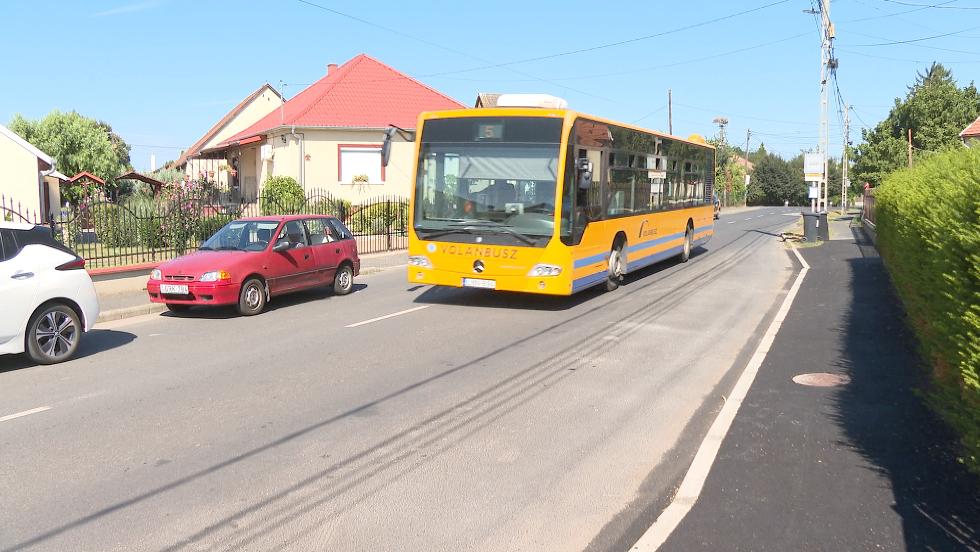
(545, 270)
(155, 274)
(419, 260)
(215, 276)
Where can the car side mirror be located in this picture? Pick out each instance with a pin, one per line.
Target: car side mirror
(281, 246)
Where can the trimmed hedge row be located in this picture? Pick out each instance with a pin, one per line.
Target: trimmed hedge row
(928, 224)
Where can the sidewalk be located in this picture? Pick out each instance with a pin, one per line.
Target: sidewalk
(126, 296)
(859, 466)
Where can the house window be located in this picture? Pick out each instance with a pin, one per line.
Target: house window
(354, 160)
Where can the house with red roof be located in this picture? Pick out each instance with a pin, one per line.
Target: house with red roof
(332, 132)
(195, 163)
(971, 134)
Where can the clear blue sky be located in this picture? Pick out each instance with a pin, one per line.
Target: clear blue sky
(161, 72)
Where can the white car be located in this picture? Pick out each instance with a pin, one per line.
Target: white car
(47, 299)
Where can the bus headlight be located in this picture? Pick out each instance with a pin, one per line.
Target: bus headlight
(419, 260)
(545, 270)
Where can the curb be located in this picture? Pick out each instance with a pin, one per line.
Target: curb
(129, 312)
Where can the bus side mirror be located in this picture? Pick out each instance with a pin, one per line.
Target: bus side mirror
(386, 146)
(584, 168)
(390, 132)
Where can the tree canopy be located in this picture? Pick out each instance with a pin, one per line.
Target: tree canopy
(936, 110)
(77, 143)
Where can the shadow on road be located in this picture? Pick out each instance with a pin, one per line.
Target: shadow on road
(281, 302)
(93, 342)
(885, 419)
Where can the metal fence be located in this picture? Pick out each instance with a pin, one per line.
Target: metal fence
(139, 229)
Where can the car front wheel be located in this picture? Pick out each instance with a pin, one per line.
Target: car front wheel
(251, 300)
(53, 334)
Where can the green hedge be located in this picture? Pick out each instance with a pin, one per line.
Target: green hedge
(282, 195)
(928, 223)
(114, 226)
(379, 218)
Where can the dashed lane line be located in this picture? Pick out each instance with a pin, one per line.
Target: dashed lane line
(385, 317)
(24, 413)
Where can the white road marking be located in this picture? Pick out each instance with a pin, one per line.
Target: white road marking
(693, 482)
(392, 315)
(25, 413)
(731, 222)
(750, 218)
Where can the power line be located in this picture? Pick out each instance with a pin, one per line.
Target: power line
(941, 7)
(611, 44)
(887, 14)
(911, 40)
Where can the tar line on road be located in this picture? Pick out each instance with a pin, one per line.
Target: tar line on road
(690, 488)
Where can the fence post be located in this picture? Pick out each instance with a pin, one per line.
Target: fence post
(388, 221)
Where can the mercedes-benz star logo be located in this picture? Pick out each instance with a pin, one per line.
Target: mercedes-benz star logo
(478, 266)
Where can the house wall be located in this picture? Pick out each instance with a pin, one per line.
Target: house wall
(21, 178)
(312, 158)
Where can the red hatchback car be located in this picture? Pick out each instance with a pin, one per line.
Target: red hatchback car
(250, 261)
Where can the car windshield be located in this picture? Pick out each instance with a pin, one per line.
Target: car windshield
(488, 176)
(242, 235)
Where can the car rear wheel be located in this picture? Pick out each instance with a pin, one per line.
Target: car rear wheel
(251, 300)
(53, 334)
(343, 281)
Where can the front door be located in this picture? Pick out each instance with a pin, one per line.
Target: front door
(293, 268)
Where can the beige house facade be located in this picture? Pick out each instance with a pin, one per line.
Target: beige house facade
(30, 184)
(329, 136)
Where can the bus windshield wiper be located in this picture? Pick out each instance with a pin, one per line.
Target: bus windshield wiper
(437, 233)
(494, 225)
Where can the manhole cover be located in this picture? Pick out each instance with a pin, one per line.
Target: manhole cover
(822, 379)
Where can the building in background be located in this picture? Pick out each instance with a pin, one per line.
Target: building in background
(971, 134)
(329, 135)
(253, 108)
(30, 184)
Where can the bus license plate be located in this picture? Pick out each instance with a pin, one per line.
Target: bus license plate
(478, 283)
(171, 289)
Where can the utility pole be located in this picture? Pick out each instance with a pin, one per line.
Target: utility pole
(827, 64)
(844, 183)
(670, 114)
(748, 133)
(910, 146)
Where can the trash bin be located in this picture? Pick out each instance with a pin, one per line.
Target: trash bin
(810, 225)
(823, 229)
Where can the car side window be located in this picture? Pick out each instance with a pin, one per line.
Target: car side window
(4, 237)
(294, 232)
(341, 231)
(320, 232)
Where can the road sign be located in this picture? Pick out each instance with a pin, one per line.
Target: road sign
(812, 167)
(814, 192)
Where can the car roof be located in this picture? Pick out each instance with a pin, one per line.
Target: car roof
(16, 225)
(281, 218)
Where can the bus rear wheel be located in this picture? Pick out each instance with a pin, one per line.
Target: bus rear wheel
(617, 266)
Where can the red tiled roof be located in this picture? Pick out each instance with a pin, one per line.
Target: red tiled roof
(362, 93)
(85, 174)
(973, 129)
(220, 124)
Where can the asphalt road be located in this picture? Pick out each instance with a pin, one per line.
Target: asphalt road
(468, 421)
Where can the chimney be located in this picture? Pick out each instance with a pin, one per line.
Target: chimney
(331, 67)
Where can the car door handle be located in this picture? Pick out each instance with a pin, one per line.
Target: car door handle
(22, 275)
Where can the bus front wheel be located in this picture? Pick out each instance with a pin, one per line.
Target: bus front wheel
(617, 266)
(688, 239)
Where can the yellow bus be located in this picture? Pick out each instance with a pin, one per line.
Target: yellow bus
(550, 201)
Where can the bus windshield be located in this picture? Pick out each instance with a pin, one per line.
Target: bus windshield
(489, 180)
